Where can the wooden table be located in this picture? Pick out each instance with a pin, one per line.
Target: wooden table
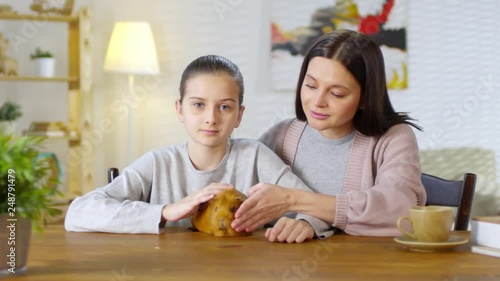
(181, 255)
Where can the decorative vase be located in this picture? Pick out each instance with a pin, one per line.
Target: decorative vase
(15, 234)
(7, 127)
(44, 67)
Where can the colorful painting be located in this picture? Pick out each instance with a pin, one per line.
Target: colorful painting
(295, 27)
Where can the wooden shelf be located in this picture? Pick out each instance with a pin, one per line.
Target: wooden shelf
(48, 135)
(78, 79)
(74, 138)
(52, 130)
(38, 79)
(34, 17)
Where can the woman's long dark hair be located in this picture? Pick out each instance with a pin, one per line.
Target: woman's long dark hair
(363, 58)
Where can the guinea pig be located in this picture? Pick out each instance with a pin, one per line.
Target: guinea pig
(215, 217)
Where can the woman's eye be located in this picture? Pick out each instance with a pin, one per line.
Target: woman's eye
(310, 86)
(339, 96)
(197, 104)
(224, 107)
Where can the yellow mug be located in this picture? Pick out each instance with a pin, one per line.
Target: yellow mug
(429, 223)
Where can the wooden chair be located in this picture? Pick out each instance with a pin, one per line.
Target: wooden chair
(458, 193)
(112, 174)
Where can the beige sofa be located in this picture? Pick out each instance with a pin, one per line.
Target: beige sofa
(452, 163)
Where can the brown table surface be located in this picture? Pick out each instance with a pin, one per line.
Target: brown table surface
(182, 255)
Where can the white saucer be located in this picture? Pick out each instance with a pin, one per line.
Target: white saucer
(414, 245)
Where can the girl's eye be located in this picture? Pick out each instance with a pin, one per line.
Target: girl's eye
(197, 104)
(310, 86)
(337, 95)
(224, 107)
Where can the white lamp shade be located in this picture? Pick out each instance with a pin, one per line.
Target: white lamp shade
(132, 49)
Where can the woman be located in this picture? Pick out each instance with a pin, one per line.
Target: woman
(353, 149)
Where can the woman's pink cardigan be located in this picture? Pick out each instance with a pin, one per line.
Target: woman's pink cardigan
(382, 181)
(383, 178)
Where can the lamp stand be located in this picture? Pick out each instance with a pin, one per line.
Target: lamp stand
(130, 118)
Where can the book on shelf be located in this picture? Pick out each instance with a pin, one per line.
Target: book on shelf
(485, 231)
(484, 250)
(46, 134)
(49, 129)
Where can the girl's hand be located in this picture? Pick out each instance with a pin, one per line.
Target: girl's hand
(290, 231)
(189, 205)
(266, 202)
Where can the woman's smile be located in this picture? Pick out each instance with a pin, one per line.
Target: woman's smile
(317, 115)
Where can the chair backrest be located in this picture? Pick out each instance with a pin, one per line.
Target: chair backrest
(454, 193)
(112, 174)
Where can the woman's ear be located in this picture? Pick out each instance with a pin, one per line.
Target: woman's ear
(178, 110)
(240, 116)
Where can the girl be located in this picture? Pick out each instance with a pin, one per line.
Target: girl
(347, 143)
(166, 185)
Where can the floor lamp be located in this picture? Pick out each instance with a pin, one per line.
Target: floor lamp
(132, 51)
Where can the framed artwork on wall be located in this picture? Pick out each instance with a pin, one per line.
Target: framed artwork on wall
(295, 27)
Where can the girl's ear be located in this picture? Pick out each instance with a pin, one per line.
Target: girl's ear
(178, 110)
(240, 116)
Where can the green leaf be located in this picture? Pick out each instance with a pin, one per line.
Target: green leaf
(33, 186)
(10, 111)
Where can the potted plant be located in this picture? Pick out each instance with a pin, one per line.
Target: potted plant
(9, 112)
(25, 198)
(44, 63)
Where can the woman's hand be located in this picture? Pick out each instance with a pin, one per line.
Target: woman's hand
(290, 231)
(189, 205)
(265, 203)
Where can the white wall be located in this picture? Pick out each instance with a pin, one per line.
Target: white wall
(454, 80)
(183, 31)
